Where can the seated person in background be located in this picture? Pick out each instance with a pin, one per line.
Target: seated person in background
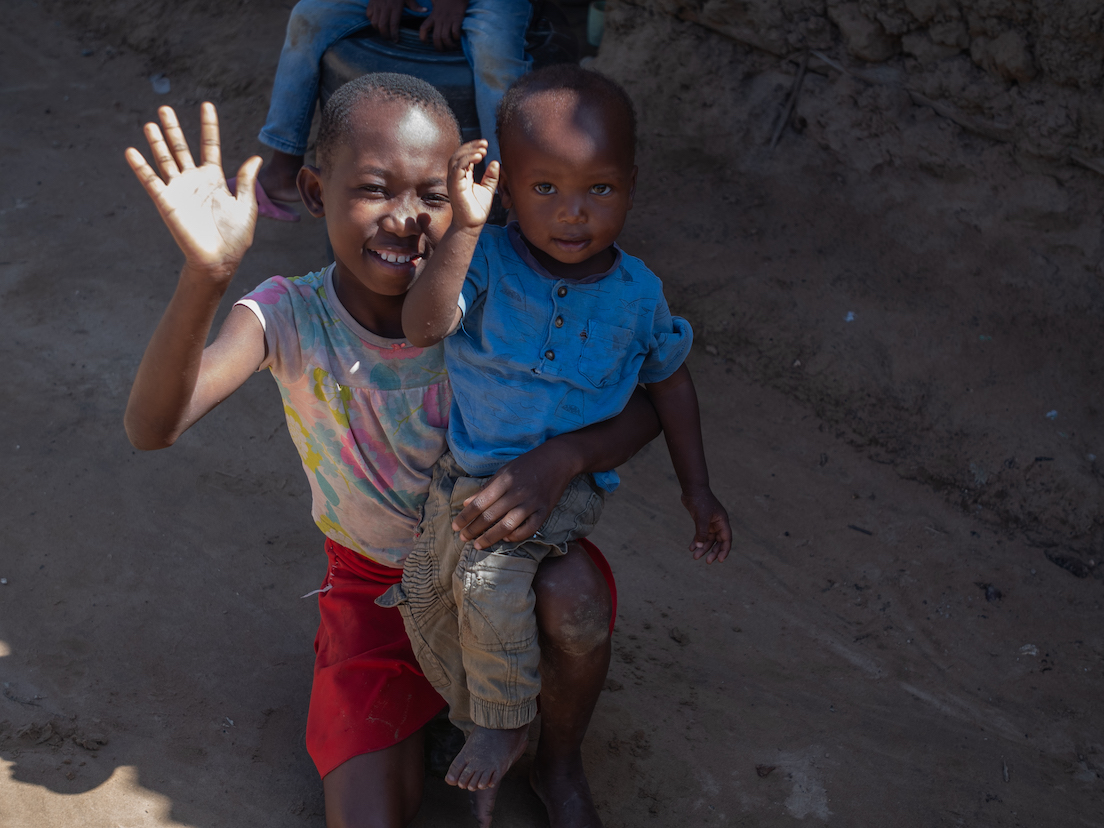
(492, 33)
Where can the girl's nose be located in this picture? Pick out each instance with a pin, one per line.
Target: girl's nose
(402, 220)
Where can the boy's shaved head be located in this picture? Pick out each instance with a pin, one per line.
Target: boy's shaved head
(337, 115)
(567, 83)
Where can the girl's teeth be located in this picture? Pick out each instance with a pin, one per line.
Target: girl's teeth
(391, 257)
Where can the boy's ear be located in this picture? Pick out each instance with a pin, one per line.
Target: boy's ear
(632, 186)
(309, 182)
(504, 190)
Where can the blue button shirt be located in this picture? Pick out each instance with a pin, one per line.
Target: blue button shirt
(536, 356)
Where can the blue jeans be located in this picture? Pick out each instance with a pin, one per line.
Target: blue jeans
(493, 40)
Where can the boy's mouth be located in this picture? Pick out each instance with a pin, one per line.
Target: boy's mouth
(572, 244)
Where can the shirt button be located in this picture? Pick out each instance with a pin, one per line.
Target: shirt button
(559, 322)
(562, 292)
(549, 354)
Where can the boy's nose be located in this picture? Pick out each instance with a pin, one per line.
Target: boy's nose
(573, 211)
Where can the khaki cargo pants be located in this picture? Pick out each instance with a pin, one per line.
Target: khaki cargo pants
(470, 612)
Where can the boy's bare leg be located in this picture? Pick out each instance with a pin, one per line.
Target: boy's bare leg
(382, 789)
(480, 766)
(573, 614)
(277, 177)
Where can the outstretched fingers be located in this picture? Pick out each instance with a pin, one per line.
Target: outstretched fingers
(491, 175)
(210, 146)
(159, 149)
(464, 159)
(246, 192)
(151, 182)
(174, 136)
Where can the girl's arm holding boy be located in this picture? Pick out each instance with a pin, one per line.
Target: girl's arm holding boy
(430, 314)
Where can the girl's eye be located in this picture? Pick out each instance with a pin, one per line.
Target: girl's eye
(545, 189)
(373, 190)
(436, 199)
(601, 189)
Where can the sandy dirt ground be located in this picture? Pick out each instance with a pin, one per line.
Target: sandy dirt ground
(885, 646)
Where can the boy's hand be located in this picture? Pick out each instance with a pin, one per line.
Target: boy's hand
(471, 202)
(211, 226)
(712, 532)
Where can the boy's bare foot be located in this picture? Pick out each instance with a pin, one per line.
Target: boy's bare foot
(277, 177)
(565, 793)
(486, 757)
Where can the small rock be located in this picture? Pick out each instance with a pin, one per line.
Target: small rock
(765, 770)
(93, 741)
(991, 592)
(865, 38)
(921, 47)
(1029, 650)
(1006, 56)
(711, 349)
(951, 33)
(679, 636)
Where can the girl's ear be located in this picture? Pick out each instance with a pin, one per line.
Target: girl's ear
(309, 182)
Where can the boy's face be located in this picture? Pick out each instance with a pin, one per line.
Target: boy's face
(569, 176)
(384, 194)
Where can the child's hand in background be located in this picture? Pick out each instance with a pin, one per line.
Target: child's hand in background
(712, 532)
(211, 226)
(471, 202)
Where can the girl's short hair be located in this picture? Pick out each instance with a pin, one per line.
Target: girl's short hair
(338, 112)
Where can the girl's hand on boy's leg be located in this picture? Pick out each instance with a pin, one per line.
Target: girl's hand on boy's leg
(471, 201)
(211, 226)
(514, 503)
(712, 531)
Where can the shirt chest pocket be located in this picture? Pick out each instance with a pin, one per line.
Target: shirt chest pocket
(605, 353)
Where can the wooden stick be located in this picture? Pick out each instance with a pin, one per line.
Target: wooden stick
(792, 102)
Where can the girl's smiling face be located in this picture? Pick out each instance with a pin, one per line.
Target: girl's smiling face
(569, 176)
(384, 194)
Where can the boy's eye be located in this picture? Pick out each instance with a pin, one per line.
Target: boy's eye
(436, 199)
(545, 189)
(373, 189)
(601, 189)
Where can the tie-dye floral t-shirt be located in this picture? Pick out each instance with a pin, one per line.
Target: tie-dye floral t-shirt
(367, 414)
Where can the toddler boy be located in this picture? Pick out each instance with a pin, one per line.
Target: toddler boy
(548, 327)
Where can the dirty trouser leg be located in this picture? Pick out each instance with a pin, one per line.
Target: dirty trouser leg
(493, 592)
(425, 595)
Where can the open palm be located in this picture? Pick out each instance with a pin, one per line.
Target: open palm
(212, 226)
(471, 200)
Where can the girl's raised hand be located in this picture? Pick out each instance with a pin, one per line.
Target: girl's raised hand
(471, 201)
(212, 226)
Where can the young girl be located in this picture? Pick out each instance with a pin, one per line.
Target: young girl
(368, 412)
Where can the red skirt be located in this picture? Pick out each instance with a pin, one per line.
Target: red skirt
(369, 692)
